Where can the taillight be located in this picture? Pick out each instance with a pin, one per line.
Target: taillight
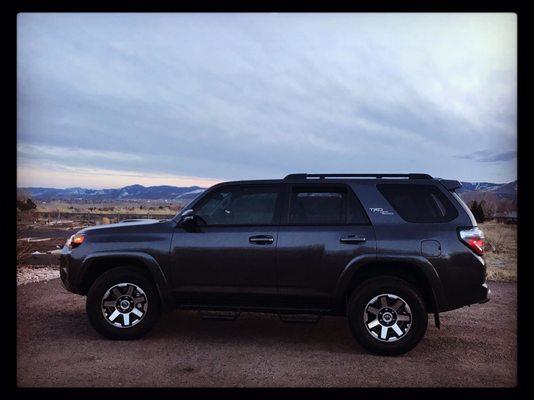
(75, 240)
(473, 238)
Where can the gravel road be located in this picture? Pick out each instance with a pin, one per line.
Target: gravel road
(56, 347)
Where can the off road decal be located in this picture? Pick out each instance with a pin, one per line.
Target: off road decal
(380, 210)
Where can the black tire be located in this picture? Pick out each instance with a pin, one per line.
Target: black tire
(139, 326)
(356, 313)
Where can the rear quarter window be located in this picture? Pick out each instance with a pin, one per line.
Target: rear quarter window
(419, 202)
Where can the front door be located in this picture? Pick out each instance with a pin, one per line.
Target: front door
(231, 258)
(324, 228)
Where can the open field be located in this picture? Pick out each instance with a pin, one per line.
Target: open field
(501, 251)
(43, 231)
(146, 208)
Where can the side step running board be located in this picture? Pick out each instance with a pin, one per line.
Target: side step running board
(300, 318)
(219, 315)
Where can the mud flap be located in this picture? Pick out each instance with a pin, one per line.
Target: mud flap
(436, 320)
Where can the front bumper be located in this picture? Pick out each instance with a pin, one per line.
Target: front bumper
(68, 271)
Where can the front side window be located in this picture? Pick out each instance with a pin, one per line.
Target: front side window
(325, 206)
(240, 206)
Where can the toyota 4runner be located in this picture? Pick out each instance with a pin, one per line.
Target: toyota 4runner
(385, 250)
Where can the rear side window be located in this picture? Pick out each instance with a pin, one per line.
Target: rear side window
(325, 206)
(419, 203)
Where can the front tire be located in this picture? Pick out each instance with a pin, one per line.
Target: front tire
(123, 303)
(387, 315)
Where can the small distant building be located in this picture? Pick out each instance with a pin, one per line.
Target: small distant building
(509, 217)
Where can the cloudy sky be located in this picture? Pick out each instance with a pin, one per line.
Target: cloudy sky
(108, 100)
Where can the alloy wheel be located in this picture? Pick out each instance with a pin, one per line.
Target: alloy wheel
(387, 317)
(124, 305)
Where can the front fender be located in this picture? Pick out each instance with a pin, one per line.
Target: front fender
(146, 259)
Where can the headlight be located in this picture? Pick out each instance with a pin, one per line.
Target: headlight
(75, 240)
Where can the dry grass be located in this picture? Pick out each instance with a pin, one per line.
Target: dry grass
(501, 251)
(154, 207)
(24, 249)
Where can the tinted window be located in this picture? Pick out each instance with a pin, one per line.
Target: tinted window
(419, 203)
(240, 206)
(321, 206)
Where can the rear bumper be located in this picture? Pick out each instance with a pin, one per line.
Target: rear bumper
(478, 295)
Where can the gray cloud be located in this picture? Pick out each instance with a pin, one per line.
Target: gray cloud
(260, 95)
(489, 156)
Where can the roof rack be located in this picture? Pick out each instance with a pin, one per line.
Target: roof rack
(378, 176)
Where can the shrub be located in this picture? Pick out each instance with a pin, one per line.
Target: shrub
(26, 205)
(478, 211)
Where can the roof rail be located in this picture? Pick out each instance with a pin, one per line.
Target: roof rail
(378, 176)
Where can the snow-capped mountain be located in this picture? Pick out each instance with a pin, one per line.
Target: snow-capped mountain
(502, 190)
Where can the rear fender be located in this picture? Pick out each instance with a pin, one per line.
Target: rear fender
(421, 263)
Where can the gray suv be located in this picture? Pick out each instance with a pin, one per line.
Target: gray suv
(385, 250)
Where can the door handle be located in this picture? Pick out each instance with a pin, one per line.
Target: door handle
(261, 239)
(352, 239)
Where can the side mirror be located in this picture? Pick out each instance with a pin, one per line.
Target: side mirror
(188, 220)
(189, 211)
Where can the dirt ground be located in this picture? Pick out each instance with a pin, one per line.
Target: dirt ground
(56, 347)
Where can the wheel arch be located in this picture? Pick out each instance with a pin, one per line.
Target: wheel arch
(416, 270)
(96, 264)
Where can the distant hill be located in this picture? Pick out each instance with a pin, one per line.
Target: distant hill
(499, 190)
(133, 192)
(139, 192)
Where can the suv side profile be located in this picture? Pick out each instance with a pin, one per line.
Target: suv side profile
(385, 250)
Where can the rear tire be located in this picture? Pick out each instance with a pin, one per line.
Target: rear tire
(387, 315)
(123, 303)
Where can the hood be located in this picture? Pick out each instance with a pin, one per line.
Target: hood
(127, 223)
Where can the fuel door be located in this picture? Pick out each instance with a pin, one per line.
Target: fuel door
(430, 248)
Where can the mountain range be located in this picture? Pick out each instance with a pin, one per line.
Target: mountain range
(501, 190)
(133, 192)
(139, 192)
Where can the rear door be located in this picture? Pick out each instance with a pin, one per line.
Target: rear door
(323, 228)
